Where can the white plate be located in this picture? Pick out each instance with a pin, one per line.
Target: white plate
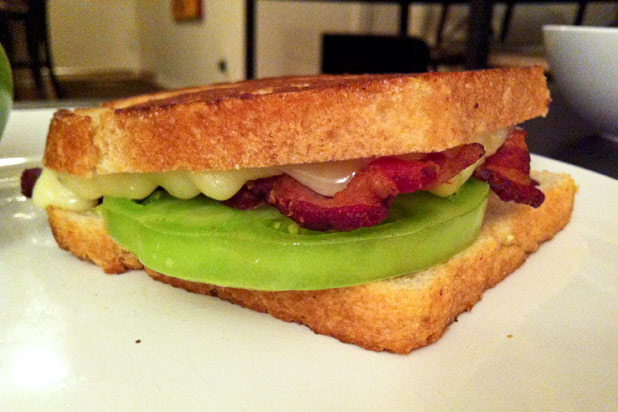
(543, 339)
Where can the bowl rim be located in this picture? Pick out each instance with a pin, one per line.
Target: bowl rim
(571, 28)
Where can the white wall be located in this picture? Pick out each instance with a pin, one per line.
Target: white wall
(140, 35)
(289, 34)
(94, 35)
(185, 54)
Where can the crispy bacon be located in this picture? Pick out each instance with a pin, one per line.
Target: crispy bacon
(28, 179)
(252, 195)
(508, 172)
(348, 211)
(366, 199)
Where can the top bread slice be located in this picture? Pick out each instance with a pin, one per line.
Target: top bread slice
(292, 120)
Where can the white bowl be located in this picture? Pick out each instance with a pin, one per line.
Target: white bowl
(584, 63)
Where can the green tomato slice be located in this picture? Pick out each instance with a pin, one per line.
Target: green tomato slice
(201, 240)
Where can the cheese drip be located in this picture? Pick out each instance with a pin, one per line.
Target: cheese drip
(327, 178)
(48, 191)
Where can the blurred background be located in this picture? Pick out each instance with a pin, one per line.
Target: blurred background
(127, 45)
(79, 52)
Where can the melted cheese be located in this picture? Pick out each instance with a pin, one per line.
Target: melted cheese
(325, 178)
(222, 185)
(491, 143)
(328, 178)
(48, 191)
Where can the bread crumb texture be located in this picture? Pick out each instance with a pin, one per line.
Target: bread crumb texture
(293, 120)
(84, 235)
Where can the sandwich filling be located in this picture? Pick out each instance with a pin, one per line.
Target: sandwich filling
(327, 179)
(204, 241)
(382, 211)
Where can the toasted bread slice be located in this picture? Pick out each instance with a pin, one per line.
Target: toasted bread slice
(292, 120)
(397, 314)
(84, 235)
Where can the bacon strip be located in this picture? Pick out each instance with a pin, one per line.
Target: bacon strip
(508, 172)
(366, 199)
(28, 179)
(252, 195)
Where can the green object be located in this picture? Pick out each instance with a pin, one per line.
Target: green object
(203, 241)
(6, 90)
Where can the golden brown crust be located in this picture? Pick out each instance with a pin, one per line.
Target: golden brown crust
(293, 120)
(75, 151)
(410, 311)
(84, 235)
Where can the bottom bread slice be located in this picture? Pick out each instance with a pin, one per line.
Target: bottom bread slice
(398, 314)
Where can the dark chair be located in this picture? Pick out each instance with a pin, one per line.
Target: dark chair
(33, 15)
(454, 53)
(508, 14)
(358, 54)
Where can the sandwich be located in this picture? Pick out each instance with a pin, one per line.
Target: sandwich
(371, 208)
